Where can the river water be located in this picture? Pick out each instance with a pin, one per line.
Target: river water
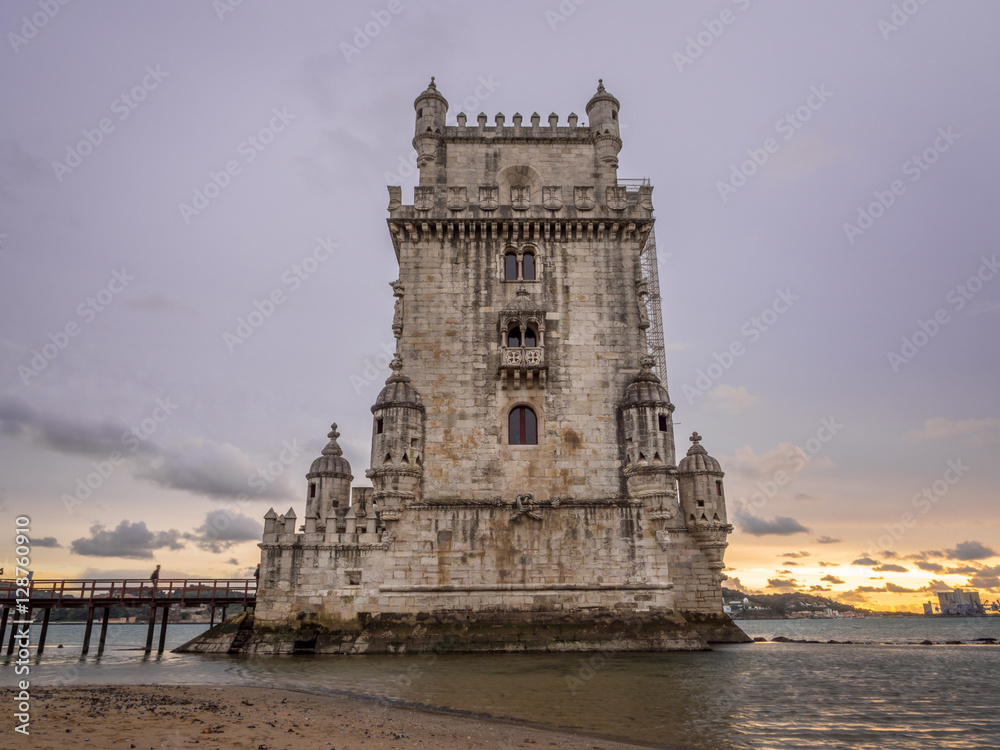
(883, 691)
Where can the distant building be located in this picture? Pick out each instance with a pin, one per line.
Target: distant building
(960, 603)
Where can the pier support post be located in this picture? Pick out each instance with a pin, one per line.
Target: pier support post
(3, 623)
(104, 630)
(45, 630)
(10, 642)
(89, 629)
(163, 629)
(152, 626)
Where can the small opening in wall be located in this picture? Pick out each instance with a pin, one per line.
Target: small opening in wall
(312, 491)
(663, 423)
(528, 267)
(701, 503)
(718, 487)
(378, 426)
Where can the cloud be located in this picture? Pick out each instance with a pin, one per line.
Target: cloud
(784, 572)
(852, 597)
(223, 529)
(795, 555)
(826, 540)
(216, 470)
(890, 568)
(45, 541)
(970, 551)
(924, 554)
(936, 585)
(56, 433)
(824, 564)
(817, 587)
(987, 578)
(962, 570)
(779, 526)
(232, 561)
(929, 566)
(974, 431)
(786, 457)
(782, 583)
(831, 579)
(732, 400)
(865, 561)
(803, 496)
(790, 562)
(892, 588)
(131, 540)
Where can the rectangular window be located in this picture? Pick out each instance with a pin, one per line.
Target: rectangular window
(312, 491)
(378, 426)
(663, 423)
(718, 488)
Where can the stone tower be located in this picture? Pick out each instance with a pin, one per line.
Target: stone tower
(525, 492)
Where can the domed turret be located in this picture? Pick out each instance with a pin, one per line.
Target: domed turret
(703, 502)
(329, 480)
(431, 108)
(602, 111)
(397, 444)
(647, 426)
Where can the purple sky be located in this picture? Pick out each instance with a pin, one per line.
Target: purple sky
(840, 104)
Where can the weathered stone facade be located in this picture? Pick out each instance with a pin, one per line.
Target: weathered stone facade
(520, 285)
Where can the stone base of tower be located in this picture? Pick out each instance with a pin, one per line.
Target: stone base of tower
(475, 632)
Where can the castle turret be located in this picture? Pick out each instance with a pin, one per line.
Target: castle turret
(703, 502)
(428, 138)
(329, 482)
(602, 110)
(397, 444)
(647, 426)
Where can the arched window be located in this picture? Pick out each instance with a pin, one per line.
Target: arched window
(510, 267)
(530, 337)
(528, 267)
(522, 426)
(514, 337)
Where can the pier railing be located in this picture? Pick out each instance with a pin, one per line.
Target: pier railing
(104, 593)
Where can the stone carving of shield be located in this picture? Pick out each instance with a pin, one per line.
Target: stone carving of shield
(520, 197)
(584, 197)
(423, 198)
(489, 197)
(552, 197)
(617, 198)
(457, 198)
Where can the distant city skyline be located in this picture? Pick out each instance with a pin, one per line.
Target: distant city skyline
(196, 263)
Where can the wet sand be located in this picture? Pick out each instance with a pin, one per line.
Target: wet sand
(148, 716)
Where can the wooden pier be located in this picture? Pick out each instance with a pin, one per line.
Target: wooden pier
(101, 594)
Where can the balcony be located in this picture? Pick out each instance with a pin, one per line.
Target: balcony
(522, 366)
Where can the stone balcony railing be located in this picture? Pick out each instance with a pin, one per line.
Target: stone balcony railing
(522, 357)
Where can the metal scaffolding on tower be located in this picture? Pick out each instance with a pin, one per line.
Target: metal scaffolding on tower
(654, 334)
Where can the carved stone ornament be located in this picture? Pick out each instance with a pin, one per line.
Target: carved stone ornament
(520, 197)
(617, 197)
(583, 197)
(397, 314)
(552, 198)
(489, 197)
(646, 197)
(663, 539)
(423, 198)
(458, 198)
(523, 506)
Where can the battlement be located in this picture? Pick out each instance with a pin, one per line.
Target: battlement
(518, 129)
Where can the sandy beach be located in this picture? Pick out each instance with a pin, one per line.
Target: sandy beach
(147, 716)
